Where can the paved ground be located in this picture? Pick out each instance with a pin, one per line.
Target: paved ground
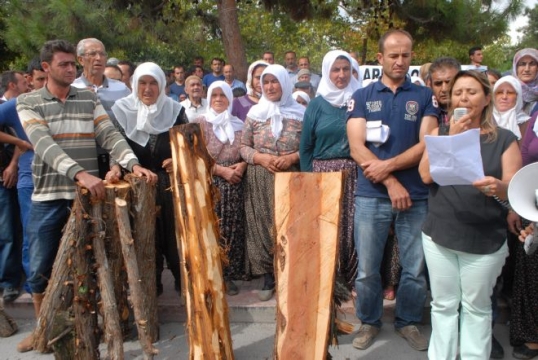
(252, 327)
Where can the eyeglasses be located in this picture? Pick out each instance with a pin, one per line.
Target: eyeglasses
(531, 63)
(93, 54)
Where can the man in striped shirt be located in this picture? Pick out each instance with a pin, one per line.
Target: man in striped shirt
(63, 124)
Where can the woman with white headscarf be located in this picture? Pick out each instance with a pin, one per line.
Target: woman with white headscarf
(525, 68)
(242, 104)
(144, 118)
(325, 148)
(270, 143)
(222, 134)
(508, 110)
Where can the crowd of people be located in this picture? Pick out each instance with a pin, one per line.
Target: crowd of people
(400, 233)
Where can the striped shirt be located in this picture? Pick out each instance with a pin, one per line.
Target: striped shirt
(64, 137)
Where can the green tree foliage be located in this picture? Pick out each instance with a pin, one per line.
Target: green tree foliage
(530, 32)
(174, 31)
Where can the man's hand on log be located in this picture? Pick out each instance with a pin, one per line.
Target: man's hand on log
(151, 177)
(95, 185)
(114, 175)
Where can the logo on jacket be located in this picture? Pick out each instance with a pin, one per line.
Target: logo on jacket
(412, 109)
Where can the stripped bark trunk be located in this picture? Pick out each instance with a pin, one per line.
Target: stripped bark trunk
(305, 261)
(133, 275)
(84, 305)
(143, 215)
(112, 328)
(197, 227)
(113, 250)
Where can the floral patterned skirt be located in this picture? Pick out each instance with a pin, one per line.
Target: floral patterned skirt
(231, 214)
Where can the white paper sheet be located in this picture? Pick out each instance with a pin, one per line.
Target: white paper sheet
(456, 159)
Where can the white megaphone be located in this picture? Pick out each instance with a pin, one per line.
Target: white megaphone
(523, 197)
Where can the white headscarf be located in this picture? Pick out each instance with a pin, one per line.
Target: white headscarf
(251, 68)
(153, 119)
(224, 123)
(285, 108)
(326, 89)
(302, 94)
(510, 119)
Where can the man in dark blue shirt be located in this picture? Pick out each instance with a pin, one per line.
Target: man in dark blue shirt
(389, 189)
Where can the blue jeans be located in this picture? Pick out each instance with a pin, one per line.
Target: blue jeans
(45, 224)
(373, 217)
(10, 265)
(25, 203)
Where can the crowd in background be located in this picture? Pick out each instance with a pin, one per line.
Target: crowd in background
(401, 234)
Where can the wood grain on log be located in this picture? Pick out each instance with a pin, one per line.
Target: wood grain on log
(306, 256)
(197, 229)
(133, 275)
(143, 219)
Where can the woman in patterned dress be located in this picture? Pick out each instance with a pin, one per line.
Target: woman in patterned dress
(270, 143)
(222, 134)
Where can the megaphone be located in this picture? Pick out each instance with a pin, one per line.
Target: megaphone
(522, 194)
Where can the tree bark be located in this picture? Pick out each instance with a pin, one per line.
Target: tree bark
(59, 293)
(306, 256)
(135, 283)
(231, 37)
(113, 250)
(197, 225)
(143, 216)
(112, 328)
(84, 305)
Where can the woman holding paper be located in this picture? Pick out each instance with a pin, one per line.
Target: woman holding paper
(464, 235)
(325, 148)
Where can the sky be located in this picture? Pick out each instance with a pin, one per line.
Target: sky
(520, 22)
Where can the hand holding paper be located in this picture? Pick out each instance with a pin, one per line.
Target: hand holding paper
(456, 159)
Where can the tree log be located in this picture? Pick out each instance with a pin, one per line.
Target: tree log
(306, 256)
(143, 216)
(135, 283)
(197, 225)
(84, 305)
(113, 250)
(112, 328)
(59, 293)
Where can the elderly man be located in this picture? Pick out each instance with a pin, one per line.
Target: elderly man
(91, 54)
(194, 104)
(304, 63)
(64, 124)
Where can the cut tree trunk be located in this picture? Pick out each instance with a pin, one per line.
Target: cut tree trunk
(59, 293)
(197, 226)
(306, 256)
(84, 305)
(111, 318)
(143, 216)
(113, 250)
(135, 283)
